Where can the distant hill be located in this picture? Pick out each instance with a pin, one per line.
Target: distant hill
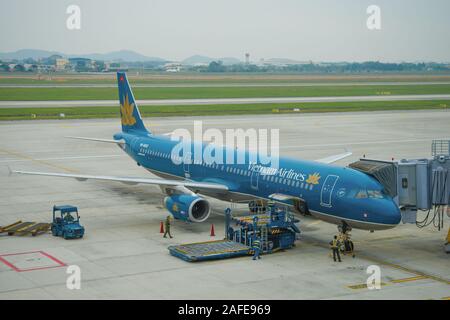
(198, 59)
(133, 56)
(28, 53)
(230, 60)
(122, 55)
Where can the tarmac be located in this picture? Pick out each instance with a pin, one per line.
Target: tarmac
(123, 255)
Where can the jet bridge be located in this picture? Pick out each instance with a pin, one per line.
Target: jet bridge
(415, 184)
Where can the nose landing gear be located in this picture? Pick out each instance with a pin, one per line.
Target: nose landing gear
(346, 244)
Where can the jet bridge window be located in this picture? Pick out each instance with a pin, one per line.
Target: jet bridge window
(405, 183)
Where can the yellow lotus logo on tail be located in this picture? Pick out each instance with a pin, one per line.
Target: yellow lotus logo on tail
(126, 112)
(313, 178)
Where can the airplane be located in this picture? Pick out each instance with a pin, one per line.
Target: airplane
(338, 195)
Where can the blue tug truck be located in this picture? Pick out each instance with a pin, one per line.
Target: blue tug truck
(66, 222)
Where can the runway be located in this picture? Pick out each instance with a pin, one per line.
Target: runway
(123, 255)
(229, 85)
(178, 102)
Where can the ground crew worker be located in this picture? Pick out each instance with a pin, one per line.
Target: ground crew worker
(256, 246)
(68, 217)
(335, 247)
(271, 205)
(167, 227)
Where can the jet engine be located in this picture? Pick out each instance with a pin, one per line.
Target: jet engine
(185, 207)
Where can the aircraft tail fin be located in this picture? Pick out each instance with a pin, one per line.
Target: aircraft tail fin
(129, 111)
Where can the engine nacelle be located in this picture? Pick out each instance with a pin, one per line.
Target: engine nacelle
(188, 207)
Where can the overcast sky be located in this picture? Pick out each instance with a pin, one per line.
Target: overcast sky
(319, 30)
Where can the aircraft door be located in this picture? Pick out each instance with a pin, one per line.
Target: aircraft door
(187, 164)
(327, 190)
(254, 179)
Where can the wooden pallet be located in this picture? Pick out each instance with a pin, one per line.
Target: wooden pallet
(23, 228)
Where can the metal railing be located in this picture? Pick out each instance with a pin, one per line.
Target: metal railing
(440, 147)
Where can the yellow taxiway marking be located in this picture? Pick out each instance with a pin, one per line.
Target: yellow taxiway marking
(389, 264)
(408, 270)
(24, 156)
(363, 286)
(410, 279)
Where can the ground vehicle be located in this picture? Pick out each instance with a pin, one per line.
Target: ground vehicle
(66, 222)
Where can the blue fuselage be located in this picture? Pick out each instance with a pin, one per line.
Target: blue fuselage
(331, 193)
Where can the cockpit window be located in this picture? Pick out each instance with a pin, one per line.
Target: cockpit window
(361, 194)
(364, 194)
(375, 194)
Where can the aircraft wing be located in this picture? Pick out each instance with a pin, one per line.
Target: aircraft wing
(335, 158)
(132, 181)
(98, 140)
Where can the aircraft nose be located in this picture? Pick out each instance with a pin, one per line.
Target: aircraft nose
(384, 212)
(391, 212)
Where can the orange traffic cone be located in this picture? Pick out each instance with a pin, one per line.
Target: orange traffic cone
(161, 228)
(212, 231)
